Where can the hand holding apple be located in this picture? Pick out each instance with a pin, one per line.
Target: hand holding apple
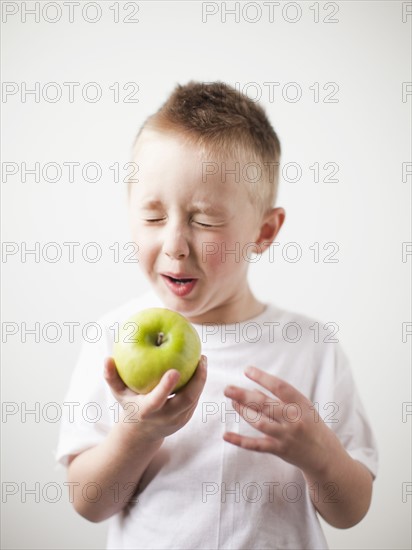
(152, 342)
(154, 415)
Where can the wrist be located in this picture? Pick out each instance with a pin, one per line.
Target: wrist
(329, 456)
(132, 435)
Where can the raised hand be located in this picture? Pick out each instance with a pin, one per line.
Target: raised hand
(290, 425)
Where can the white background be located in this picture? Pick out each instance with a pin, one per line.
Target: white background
(367, 213)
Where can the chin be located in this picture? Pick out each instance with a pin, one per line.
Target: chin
(186, 308)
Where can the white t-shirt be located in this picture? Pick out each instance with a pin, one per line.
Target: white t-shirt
(200, 491)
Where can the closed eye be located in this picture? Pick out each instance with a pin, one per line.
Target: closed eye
(159, 220)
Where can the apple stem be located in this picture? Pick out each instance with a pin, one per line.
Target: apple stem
(159, 339)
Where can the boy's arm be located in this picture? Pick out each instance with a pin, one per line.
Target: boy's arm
(103, 478)
(340, 487)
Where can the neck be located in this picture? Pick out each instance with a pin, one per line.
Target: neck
(235, 310)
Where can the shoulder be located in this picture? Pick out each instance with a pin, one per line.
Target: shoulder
(289, 316)
(311, 340)
(295, 326)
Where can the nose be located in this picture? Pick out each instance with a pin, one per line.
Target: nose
(175, 244)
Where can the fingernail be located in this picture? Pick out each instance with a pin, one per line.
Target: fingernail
(204, 361)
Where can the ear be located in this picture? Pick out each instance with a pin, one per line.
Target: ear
(270, 226)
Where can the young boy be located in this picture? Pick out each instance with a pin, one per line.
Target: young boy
(276, 433)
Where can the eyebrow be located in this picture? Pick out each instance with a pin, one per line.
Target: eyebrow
(198, 206)
(151, 203)
(205, 208)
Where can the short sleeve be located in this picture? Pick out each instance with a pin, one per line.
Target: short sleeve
(352, 427)
(90, 410)
(86, 420)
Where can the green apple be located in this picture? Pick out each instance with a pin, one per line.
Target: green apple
(152, 342)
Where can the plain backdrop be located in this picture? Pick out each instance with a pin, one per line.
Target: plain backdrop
(336, 92)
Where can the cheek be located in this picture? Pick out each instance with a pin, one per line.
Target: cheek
(224, 257)
(145, 258)
(147, 251)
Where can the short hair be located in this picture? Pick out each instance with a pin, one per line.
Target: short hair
(224, 123)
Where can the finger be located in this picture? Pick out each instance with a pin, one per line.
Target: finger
(277, 386)
(258, 420)
(112, 377)
(198, 380)
(260, 444)
(245, 396)
(155, 399)
(189, 394)
(255, 399)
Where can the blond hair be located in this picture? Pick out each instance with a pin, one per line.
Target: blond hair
(224, 123)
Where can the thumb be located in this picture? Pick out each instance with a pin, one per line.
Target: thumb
(160, 393)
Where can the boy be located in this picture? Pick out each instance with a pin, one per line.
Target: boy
(233, 461)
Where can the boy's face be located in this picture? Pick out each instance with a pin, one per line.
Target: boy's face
(193, 228)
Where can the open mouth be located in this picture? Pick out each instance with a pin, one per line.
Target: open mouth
(180, 286)
(179, 281)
